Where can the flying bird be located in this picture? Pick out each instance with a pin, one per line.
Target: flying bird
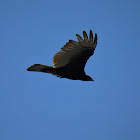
(71, 60)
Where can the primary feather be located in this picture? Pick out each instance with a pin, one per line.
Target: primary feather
(70, 61)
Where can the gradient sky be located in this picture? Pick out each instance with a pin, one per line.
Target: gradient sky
(38, 106)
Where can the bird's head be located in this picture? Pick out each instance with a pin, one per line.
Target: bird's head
(88, 78)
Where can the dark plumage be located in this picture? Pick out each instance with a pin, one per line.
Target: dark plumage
(70, 61)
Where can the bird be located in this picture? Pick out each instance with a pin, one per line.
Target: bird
(71, 60)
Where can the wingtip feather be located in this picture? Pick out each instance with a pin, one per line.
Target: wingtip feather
(91, 36)
(85, 36)
(79, 38)
(95, 38)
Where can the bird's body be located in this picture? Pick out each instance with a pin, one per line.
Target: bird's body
(70, 61)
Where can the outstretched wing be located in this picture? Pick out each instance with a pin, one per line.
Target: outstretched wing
(75, 54)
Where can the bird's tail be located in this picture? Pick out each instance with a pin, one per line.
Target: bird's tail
(41, 68)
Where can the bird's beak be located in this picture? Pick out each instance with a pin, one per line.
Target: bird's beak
(91, 79)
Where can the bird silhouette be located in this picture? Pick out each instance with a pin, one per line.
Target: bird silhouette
(71, 60)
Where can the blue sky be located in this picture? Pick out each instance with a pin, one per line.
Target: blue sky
(38, 106)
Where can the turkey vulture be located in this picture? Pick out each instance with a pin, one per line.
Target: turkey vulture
(70, 61)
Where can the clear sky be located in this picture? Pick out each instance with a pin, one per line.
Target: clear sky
(38, 106)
